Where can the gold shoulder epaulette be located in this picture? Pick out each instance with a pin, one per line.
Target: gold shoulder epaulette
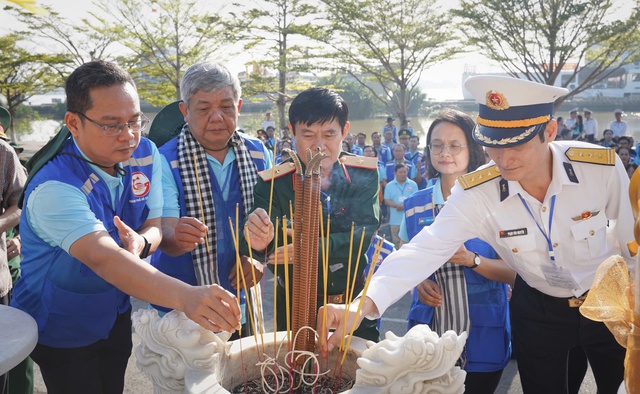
(603, 156)
(478, 177)
(277, 171)
(370, 163)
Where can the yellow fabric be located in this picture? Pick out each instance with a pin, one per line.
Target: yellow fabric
(611, 301)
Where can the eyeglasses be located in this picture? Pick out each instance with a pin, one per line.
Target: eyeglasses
(112, 130)
(437, 149)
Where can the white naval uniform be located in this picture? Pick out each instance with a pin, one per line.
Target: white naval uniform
(590, 127)
(618, 128)
(569, 123)
(579, 245)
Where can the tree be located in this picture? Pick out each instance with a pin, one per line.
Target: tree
(387, 44)
(28, 5)
(276, 28)
(56, 34)
(165, 37)
(537, 39)
(24, 73)
(361, 102)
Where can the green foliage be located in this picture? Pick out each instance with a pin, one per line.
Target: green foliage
(274, 30)
(24, 73)
(24, 116)
(27, 113)
(361, 102)
(59, 110)
(163, 38)
(387, 44)
(536, 39)
(76, 42)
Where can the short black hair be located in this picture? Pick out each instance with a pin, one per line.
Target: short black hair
(91, 75)
(375, 152)
(398, 166)
(542, 128)
(318, 105)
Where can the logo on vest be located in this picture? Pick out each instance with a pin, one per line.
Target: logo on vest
(140, 184)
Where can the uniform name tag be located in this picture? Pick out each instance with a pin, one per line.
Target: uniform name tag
(425, 221)
(513, 233)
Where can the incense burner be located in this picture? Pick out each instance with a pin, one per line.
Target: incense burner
(179, 356)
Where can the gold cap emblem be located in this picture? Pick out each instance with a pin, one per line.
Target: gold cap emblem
(496, 100)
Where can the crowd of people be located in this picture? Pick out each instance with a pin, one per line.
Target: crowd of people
(585, 128)
(105, 214)
(411, 177)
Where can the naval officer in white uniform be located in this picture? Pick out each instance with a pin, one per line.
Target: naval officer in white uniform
(552, 210)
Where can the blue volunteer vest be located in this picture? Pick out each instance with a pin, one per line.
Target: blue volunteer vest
(73, 306)
(384, 154)
(489, 342)
(390, 169)
(181, 267)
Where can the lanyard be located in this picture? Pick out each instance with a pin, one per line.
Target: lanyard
(404, 186)
(546, 236)
(435, 209)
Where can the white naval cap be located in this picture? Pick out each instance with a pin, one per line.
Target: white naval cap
(511, 110)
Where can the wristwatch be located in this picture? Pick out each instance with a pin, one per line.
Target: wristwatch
(476, 261)
(147, 247)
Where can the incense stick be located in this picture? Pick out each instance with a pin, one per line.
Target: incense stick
(255, 284)
(353, 283)
(323, 241)
(275, 287)
(286, 281)
(346, 311)
(376, 255)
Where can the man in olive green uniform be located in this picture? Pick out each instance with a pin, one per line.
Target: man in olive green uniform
(318, 120)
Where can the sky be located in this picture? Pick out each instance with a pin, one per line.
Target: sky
(441, 82)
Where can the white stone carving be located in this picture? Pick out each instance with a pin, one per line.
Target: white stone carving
(175, 347)
(418, 362)
(179, 356)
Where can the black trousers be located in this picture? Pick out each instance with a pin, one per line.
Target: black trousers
(482, 382)
(97, 368)
(545, 329)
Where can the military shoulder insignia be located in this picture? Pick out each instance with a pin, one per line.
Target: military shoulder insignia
(603, 156)
(277, 171)
(370, 163)
(478, 177)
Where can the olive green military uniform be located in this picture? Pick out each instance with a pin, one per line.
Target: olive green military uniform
(352, 197)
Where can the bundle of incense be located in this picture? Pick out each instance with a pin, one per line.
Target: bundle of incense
(374, 258)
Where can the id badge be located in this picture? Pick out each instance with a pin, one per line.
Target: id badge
(558, 277)
(425, 221)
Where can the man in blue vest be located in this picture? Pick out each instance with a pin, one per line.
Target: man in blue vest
(196, 236)
(91, 213)
(398, 158)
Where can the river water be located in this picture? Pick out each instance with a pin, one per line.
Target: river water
(42, 130)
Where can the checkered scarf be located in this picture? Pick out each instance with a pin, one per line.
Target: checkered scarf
(205, 265)
(453, 314)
